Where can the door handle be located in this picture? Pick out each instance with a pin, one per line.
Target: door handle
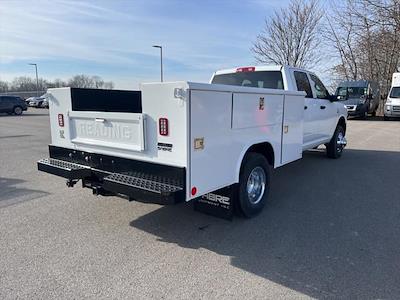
(100, 120)
(305, 107)
(322, 107)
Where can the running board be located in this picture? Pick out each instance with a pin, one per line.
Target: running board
(63, 168)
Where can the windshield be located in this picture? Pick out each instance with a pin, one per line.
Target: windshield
(395, 92)
(260, 79)
(351, 92)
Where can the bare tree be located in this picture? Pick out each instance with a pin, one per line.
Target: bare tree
(365, 35)
(109, 85)
(26, 84)
(81, 81)
(342, 39)
(291, 37)
(3, 86)
(94, 82)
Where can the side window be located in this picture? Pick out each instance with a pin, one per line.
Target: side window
(320, 89)
(302, 83)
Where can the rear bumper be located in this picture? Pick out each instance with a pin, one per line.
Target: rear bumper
(108, 175)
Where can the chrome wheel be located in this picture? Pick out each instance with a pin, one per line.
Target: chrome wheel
(256, 185)
(341, 142)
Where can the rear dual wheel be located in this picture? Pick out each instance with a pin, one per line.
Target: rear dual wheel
(254, 184)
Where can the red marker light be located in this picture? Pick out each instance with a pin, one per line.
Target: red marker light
(246, 69)
(163, 126)
(194, 191)
(61, 120)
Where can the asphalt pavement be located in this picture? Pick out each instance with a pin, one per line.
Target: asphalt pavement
(330, 230)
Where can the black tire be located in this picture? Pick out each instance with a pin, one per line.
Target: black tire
(251, 165)
(333, 149)
(17, 110)
(364, 116)
(386, 118)
(374, 113)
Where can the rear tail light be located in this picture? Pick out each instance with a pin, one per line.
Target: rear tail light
(61, 120)
(246, 69)
(163, 126)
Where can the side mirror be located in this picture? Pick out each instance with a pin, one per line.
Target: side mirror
(333, 98)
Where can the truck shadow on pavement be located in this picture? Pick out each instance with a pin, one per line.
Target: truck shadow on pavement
(330, 230)
(11, 193)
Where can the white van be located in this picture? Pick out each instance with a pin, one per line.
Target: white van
(392, 106)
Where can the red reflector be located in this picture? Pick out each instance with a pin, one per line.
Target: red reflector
(246, 69)
(163, 126)
(61, 120)
(194, 191)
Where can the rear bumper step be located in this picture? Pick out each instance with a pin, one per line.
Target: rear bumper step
(136, 185)
(144, 187)
(63, 168)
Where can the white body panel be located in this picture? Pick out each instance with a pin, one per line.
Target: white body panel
(114, 131)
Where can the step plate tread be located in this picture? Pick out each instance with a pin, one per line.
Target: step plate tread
(151, 183)
(61, 164)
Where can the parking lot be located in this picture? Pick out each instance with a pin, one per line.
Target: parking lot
(330, 230)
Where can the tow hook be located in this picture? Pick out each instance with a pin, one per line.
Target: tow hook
(71, 182)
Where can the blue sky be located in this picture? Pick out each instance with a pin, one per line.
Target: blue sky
(113, 39)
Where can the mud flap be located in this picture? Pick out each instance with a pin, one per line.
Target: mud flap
(219, 203)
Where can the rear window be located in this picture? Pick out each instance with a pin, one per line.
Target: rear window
(259, 79)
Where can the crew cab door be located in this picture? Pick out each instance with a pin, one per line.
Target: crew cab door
(326, 110)
(311, 108)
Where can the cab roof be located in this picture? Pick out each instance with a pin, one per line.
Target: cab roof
(250, 69)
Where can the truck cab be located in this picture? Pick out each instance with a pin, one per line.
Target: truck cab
(321, 110)
(361, 97)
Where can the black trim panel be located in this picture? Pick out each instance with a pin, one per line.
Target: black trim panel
(106, 100)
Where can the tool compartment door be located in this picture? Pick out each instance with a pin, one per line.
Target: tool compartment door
(292, 128)
(210, 141)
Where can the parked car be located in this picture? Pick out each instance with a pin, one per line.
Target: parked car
(361, 97)
(45, 103)
(12, 105)
(36, 101)
(392, 105)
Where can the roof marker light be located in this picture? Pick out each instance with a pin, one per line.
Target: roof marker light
(246, 69)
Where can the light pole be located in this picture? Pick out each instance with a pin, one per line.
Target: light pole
(37, 80)
(157, 46)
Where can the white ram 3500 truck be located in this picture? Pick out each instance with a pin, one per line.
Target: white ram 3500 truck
(179, 141)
